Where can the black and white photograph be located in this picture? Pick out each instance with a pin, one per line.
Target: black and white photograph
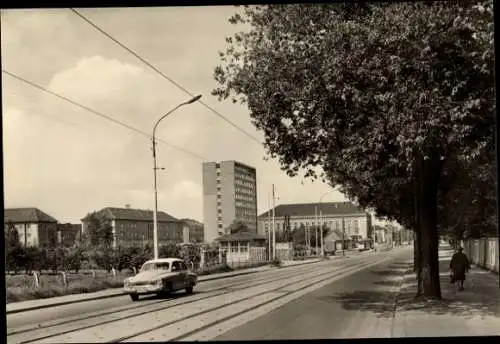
(270, 171)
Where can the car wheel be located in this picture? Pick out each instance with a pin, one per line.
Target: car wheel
(189, 289)
(167, 290)
(134, 297)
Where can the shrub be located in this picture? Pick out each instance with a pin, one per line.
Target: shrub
(276, 262)
(21, 287)
(215, 269)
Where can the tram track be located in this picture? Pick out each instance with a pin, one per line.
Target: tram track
(89, 322)
(155, 301)
(246, 304)
(312, 275)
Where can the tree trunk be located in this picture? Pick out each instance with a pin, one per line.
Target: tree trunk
(418, 262)
(417, 236)
(427, 220)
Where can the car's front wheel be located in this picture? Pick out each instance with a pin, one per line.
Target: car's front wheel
(189, 289)
(167, 290)
(134, 297)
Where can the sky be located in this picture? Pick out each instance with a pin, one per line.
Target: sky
(67, 161)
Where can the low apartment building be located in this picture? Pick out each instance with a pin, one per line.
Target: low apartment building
(68, 234)
(35, 227)
(193, 231)
(135, 226)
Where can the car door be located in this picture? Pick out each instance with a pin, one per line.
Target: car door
(183, 275)
(176, 276)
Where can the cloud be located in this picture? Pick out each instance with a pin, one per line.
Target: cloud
(68, 161)
(92, 162)
(188, 188)
(95, 77)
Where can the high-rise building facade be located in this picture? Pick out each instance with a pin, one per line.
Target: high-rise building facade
(229, 193)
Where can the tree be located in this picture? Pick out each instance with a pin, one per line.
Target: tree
(13, 254)
(237, 226)
(140, 254)
(32, 259)
(99, 230)
(471, 198)
(74, 258)
(169, 250)
(421, 93)
(101, 257)
(55, 258)
(299, 235)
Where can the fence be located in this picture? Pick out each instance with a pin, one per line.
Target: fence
(284, 254)
(483, 252)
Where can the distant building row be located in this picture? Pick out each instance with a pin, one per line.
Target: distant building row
(230, 193)
(129, 227)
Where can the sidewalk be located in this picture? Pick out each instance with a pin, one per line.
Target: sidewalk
(22, 306)
(286, 263)
(473, 312)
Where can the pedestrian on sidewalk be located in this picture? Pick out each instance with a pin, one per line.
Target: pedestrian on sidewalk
(459, 266)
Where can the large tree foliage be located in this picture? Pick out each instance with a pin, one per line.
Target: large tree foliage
(468, 206)
(380, 97)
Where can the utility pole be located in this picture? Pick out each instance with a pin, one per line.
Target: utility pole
(155, 168)
(307, 238)
(274, 226)
(269, 225)
(321, 219)
(321, 231)
(316, 227)
(343, 236)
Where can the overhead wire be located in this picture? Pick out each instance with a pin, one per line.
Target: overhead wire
(100, 114)
(159, 72)
(163, 75)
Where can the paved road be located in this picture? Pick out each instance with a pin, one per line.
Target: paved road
(232, 307)
(360, 305)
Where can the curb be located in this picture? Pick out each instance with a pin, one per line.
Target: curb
(121, 293)
(405, 277)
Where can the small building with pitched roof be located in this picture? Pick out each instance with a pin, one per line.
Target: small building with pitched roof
(35, 227)
(243, 247)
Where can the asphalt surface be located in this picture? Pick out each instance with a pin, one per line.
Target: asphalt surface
(360, 305)
(279, 303)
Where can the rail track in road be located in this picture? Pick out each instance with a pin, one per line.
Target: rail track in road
(152, 300)
(75, 328)
(243, 302)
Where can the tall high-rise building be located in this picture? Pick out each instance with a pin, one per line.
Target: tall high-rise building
(229, 193)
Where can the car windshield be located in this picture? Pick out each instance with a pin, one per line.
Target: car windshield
(155, 266)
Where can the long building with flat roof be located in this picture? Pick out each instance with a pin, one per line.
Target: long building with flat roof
(342, 218)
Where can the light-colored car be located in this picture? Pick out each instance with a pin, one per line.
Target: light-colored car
(160, 276)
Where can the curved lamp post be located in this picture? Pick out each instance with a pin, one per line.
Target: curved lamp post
(155, 213)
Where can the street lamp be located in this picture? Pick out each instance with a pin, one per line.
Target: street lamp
(155, 212)
(274, 197)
